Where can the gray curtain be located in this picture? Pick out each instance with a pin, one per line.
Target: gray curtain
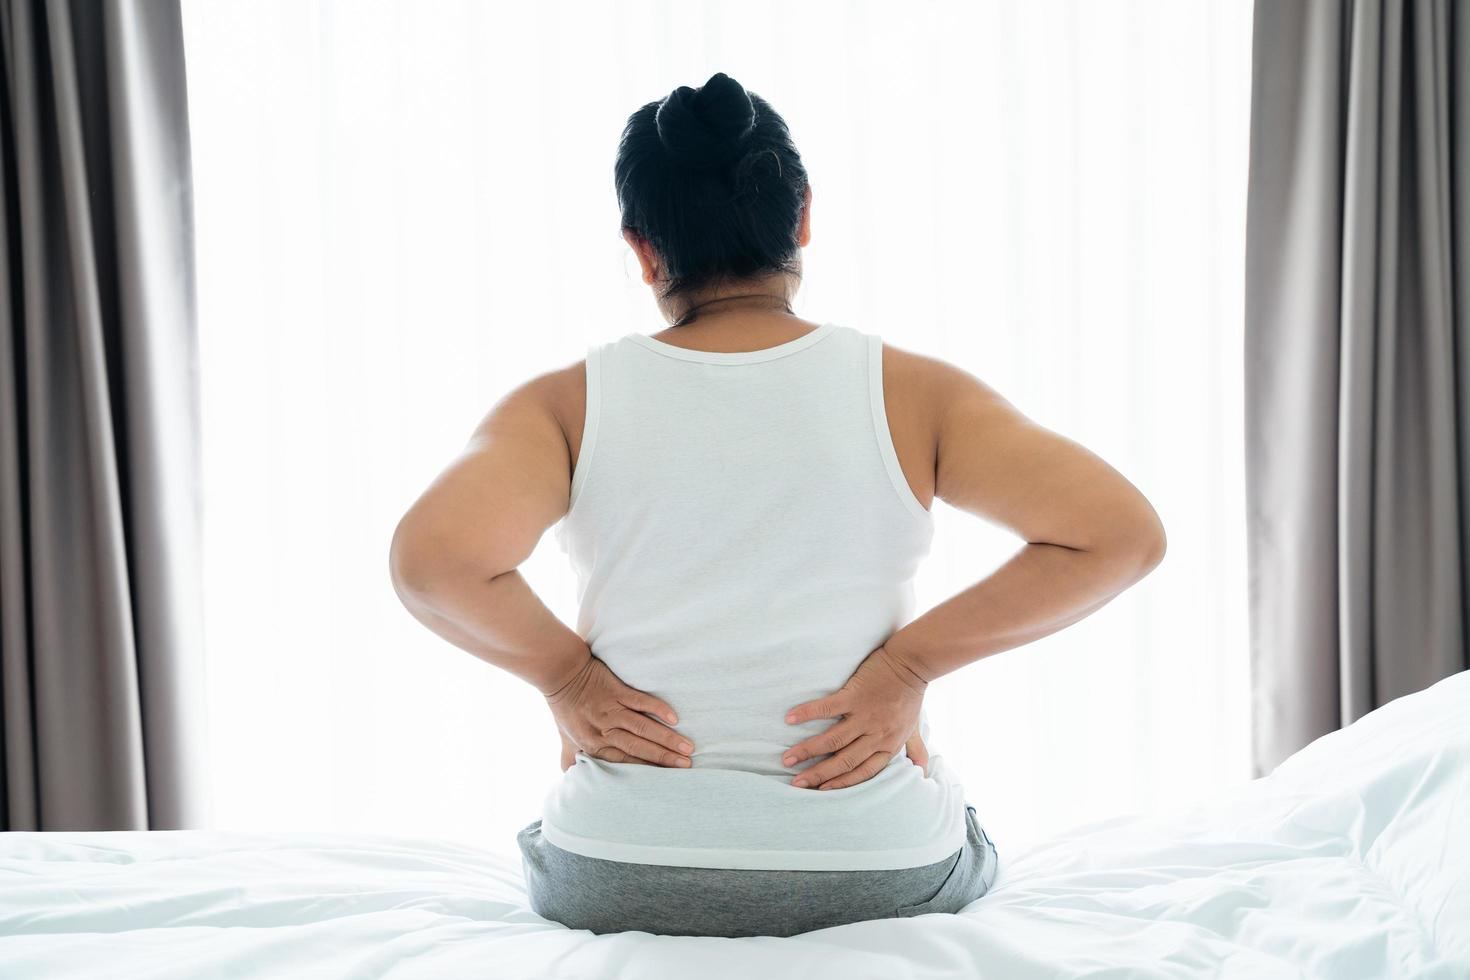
(1357, 360)
(100, 689)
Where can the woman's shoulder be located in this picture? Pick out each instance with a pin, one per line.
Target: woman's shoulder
(926, 387)
(911, 369)
(559, 393)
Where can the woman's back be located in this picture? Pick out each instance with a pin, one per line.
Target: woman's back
(744, 537)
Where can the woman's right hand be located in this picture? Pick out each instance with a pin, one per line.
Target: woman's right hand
(879, 706)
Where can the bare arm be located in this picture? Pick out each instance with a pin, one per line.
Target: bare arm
(454, 560)
(455, 552)
(1089, 532)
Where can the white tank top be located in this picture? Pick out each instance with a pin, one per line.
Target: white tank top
(743, 537)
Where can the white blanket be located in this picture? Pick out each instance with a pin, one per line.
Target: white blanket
(1352, 859)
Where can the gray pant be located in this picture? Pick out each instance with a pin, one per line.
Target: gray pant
(673, 900)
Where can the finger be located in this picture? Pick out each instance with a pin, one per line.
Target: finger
(822, 743)
(843, 762)
(611, 753)
(642, 748)
(918, 753)
(645, 727)
(866, 771)
(827, 707)
(643, 701)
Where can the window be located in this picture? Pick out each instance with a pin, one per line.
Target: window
(404, 209)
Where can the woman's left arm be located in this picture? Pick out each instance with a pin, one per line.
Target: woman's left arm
(454, 560)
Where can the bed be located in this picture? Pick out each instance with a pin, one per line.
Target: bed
(1351, 859)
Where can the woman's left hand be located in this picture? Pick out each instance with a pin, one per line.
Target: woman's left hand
(598, 714)
(568, 751)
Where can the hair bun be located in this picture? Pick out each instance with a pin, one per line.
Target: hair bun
(706, 127)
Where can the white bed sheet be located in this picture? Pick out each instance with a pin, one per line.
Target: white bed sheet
(1351, 860)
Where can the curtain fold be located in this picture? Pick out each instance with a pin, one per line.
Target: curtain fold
(100, 656)
(1357, 407)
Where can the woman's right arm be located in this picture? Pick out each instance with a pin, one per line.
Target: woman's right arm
(1089, 533)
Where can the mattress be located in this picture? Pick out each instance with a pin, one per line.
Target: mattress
(1351, 859)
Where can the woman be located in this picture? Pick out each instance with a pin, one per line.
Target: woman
(745, 496)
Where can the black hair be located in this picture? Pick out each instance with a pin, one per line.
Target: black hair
(710, 177)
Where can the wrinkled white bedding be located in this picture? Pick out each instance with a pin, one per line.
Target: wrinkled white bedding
(1352, 859)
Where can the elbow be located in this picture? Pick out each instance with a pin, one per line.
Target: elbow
(435, 560)
(416, 564)
(1155, 545)
(1128, 543)
(1141, 543)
